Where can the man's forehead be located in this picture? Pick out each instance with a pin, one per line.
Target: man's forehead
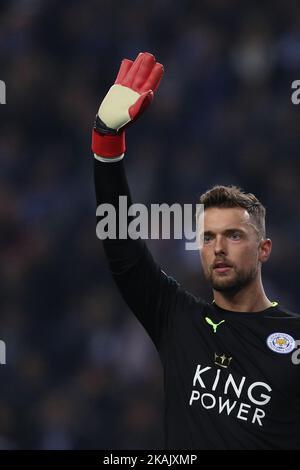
(216, 218)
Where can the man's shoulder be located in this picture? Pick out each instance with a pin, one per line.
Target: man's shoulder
(283, 313)
(284, 320)
(190, 301)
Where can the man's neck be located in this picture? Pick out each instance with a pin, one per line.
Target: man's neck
(250, 299)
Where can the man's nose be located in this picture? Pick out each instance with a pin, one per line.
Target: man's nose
(220, 245)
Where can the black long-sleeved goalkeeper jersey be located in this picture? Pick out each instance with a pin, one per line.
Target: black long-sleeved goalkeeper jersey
(229, 378)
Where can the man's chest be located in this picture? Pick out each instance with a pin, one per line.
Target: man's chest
(234, 368)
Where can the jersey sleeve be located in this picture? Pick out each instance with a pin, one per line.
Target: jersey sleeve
(148, 291)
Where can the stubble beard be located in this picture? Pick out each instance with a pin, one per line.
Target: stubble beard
(233, 283)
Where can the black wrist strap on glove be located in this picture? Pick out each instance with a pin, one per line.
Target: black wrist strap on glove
(102, 128)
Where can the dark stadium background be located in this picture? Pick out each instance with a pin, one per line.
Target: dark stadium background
(80, 371)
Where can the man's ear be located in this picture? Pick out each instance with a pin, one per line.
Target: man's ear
(264, 249)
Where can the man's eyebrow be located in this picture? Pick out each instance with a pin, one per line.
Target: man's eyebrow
(226, 231)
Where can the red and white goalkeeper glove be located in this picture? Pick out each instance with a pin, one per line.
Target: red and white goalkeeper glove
(130, 95)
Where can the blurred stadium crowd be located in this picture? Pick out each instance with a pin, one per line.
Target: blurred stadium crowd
(80, 371)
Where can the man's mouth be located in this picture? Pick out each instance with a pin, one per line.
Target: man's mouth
(222, 270)
(221, 267)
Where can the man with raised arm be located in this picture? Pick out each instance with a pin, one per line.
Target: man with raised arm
(230, 381)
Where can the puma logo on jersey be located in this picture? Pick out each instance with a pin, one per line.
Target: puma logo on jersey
(214, 325)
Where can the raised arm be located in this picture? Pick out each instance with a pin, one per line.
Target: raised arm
(147, 290)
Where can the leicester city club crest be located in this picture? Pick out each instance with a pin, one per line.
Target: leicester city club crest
(281, 343)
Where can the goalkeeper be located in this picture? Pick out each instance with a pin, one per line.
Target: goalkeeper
(230, 381)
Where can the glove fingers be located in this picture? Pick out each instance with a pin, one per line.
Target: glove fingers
(124, 68)
(139, 71)
(142, 103)
(154, 78)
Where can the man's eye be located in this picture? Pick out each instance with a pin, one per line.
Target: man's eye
(235, 236)
(207, 238)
